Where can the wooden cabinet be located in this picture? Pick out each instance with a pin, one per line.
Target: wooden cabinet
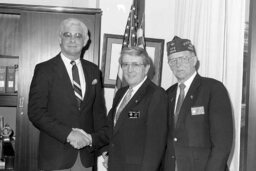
(30, 32)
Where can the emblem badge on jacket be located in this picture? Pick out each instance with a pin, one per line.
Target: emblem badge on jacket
(134, 114)
(197, 110)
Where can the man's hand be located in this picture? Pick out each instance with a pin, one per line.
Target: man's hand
(105, 157)
(77, 139)
(86, 134)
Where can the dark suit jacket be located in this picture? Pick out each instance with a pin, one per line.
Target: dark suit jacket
(53, 110)
(202, 140)
(139, 136)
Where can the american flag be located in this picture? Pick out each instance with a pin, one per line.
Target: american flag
(133, 36)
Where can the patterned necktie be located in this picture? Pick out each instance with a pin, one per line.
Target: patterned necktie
(123, 104)
(76, 84)
(180, 101)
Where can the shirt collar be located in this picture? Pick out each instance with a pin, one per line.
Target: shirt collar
(189, 81)
(66, 60)
(135, 88)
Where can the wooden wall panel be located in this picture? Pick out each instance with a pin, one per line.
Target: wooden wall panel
(9, 31)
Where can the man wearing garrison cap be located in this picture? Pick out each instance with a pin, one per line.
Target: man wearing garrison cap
(200, 121)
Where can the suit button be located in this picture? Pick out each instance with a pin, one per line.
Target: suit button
(175, 139)
(173, 157)
(112, 145)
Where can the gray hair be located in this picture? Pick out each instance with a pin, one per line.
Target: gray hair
(135, 51)
(72, 21)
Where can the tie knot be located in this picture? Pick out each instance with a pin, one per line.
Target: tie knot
(182, 86)
(73, 63)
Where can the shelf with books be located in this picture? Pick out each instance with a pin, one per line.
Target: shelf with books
(8, 99)
(8, 80)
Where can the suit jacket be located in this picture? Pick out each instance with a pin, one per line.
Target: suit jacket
(203, 135)
(53, 110)
(139, 137)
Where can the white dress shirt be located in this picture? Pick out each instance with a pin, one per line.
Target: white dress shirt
(80, 72)
(187, 84)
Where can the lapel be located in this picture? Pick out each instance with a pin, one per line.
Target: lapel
(135, 100)
(67, 86)
(87, 83)
(189, 99)
(172, 97)
(118, 98)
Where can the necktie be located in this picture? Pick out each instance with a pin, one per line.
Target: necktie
(76, 84)
(123, 104)
(180, 101)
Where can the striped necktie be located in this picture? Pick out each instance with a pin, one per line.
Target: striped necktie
(76, 84)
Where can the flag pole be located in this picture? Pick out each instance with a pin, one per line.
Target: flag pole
(133, 35)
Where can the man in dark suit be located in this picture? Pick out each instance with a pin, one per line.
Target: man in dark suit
(138, 131)
(66, 103)
(200, 121)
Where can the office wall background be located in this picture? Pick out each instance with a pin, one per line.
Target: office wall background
(159, 23)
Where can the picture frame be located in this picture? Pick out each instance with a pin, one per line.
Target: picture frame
(112, 45)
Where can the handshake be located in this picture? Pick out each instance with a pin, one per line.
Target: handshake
(78, 138)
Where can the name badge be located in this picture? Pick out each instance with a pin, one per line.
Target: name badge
(197, 110)
(133, 114)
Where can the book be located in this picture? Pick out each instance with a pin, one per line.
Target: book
(10, 79)
(2, 78)
(16, 78)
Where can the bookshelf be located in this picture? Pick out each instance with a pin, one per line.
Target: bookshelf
(8, 99)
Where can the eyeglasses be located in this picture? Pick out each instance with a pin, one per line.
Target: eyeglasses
(69, 36)
(125, 66)
(183, 60)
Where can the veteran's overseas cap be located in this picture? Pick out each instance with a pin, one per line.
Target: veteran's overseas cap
(178, 44)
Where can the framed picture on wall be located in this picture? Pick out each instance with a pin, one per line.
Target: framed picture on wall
(112, 45)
